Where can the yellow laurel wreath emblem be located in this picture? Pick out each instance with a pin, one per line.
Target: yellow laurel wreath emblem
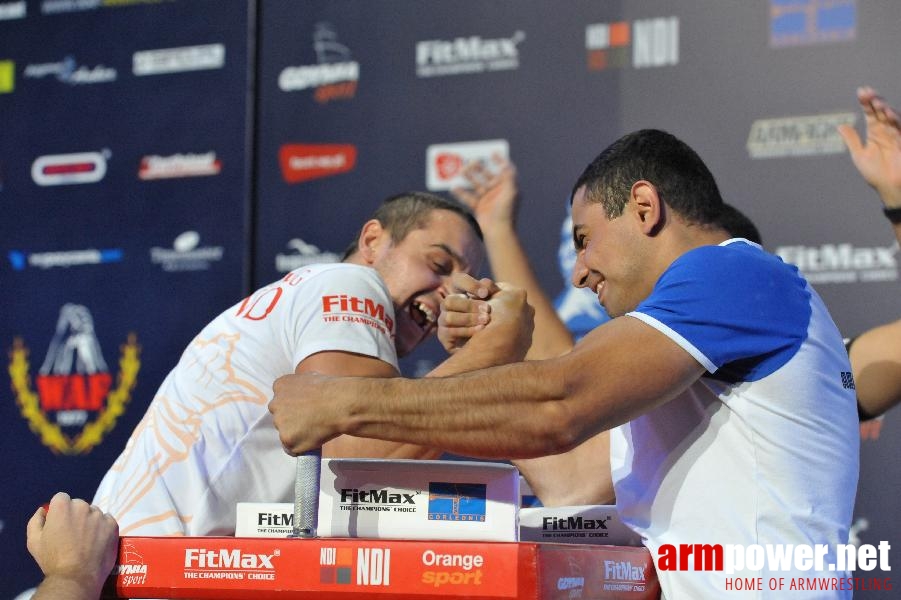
(51, 434)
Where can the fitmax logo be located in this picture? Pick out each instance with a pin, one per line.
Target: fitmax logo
(623, 571)
(377, 496)
(201, 558)
(351, 304)
(572, 523)
(276, 519)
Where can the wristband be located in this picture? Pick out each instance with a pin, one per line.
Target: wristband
(893, 214)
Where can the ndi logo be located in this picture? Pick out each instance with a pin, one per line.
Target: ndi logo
(639, 44)
(373, 566)
(457, 501)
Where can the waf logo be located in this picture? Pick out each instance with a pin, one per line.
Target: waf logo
(302, 162)
(74, 384)
(445, 162)
(457, 501)
(371, 567)
(335, 74)
(66, 169)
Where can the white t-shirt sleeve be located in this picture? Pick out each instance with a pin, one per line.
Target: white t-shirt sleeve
(344, 308)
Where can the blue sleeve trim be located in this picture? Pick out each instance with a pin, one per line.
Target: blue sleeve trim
(673, 335)
(735, 308)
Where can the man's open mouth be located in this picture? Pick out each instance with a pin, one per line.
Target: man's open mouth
(422, 315)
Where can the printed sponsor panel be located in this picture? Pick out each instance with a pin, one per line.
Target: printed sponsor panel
(642, 43)
(68, 169)
(303, 162)
(445, 162)
(178, 60)
(335, 74)
(808, 135)
(805, 22)
(23, 259)
(186, 254)
(843, 263)
(7, 76)
(179, 165)
(13, 10)
(377, 569)
(583, 572)
(71, 72)
(467, 55)
(56, 7)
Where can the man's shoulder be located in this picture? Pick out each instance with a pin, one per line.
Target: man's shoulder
(734, 262)
(341, 272)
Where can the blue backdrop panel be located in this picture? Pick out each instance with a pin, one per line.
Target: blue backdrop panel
(123, 166)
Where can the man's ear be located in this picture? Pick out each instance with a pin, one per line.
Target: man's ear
(649, 208)
(372, 237)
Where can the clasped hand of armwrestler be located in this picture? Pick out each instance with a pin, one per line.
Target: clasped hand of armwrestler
(492, 320)
(496, 315)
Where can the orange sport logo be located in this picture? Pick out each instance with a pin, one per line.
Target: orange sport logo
(77, 400)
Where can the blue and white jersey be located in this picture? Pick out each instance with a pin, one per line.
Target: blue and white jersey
(763, 449)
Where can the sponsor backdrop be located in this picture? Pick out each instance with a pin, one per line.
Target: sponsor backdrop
(124, 189)
(158, 160)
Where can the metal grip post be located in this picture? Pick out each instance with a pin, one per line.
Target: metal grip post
(306, 494)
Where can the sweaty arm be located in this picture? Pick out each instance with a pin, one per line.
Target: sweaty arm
(514, 411)
(876, 362)
(357, 365)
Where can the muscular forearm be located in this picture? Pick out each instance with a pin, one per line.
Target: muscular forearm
(472, 357)
(512, 411)
(876, 362)
(521, 410)
(510, 263)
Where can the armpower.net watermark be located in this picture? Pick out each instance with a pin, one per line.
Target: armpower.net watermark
(806, 567)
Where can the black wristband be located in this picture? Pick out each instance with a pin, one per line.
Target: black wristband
(893, 214)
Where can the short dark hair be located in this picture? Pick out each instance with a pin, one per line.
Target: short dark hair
(406, 212)
(681, 178)
(738, 224)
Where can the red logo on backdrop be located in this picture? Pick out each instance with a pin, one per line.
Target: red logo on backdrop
(66, 169)
(73, 384)
(448, 165)
(302, 162)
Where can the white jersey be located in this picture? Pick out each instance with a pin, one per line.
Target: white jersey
(762, 450)
(207, 440)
